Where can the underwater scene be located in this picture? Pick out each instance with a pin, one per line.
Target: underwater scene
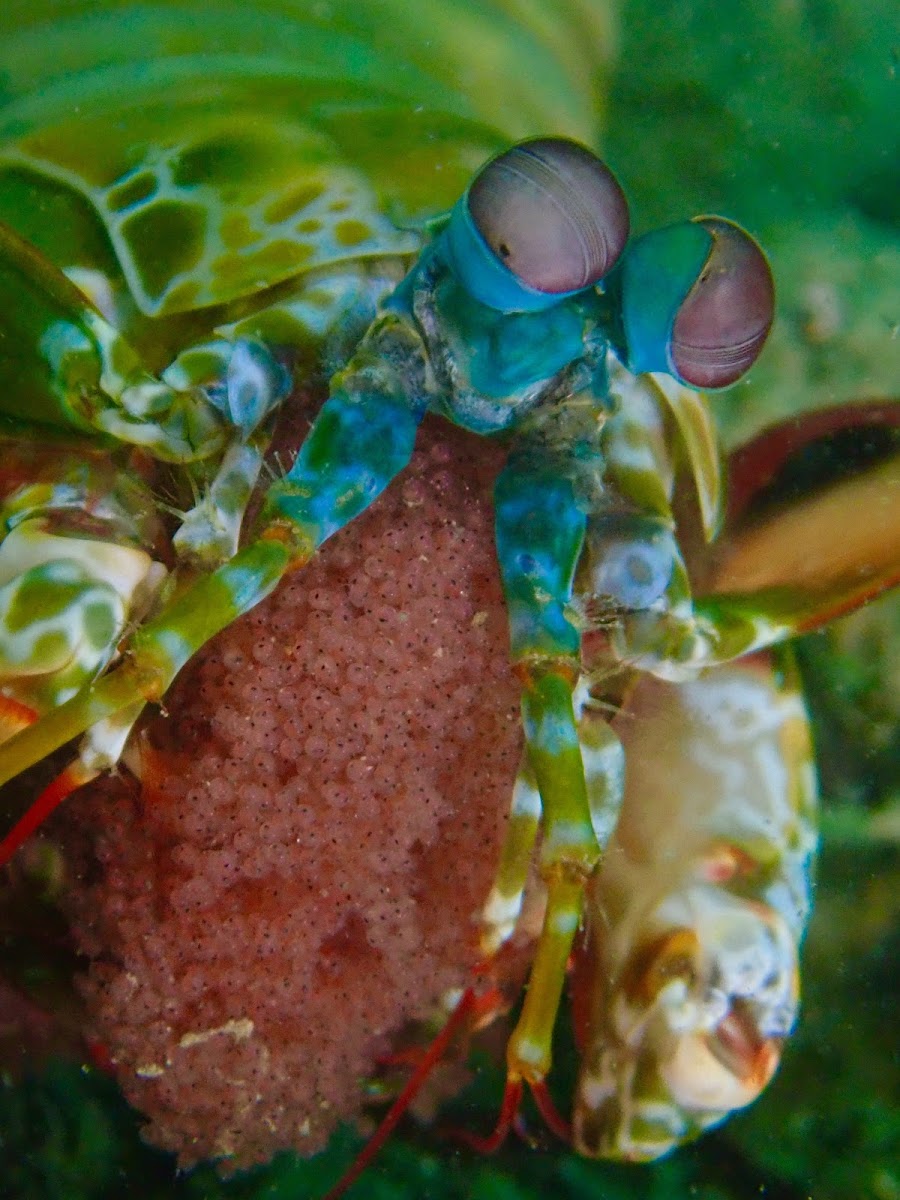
(449, 666)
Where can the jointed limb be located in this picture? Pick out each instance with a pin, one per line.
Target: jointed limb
(540, 532)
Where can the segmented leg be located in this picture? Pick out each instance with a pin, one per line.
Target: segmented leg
(603, 761)
(540, 532)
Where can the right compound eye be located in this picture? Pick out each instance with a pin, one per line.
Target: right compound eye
(726, 316)
(697, 301)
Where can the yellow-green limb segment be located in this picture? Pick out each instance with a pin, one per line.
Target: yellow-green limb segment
(540, 533)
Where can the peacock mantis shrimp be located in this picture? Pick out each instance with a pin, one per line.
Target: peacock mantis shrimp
(173, 258)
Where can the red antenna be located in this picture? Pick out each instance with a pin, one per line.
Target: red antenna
(466, 1006)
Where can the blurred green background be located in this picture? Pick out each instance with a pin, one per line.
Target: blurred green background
(783, 116)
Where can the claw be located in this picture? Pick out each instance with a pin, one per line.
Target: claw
(551, 1116)
(509, 1107)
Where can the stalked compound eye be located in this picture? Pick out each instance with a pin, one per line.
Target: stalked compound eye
(542, 221)
(697, 302)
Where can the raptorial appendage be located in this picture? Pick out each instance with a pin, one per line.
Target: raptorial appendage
(76, 573)
(690, 978)
(82, 561)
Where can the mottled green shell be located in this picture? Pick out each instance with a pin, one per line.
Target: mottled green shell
(191, 156)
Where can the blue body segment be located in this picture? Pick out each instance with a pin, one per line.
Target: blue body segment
(491, 368)
(356, 446)
(497, 368)
(539, 531)
(502, 353)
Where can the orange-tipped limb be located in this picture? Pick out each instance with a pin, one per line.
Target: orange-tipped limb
(74, 776)
(14, 717)
(465, 1009)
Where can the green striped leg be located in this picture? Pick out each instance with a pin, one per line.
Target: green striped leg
(504, 904)
(603, 760)
(540, 532)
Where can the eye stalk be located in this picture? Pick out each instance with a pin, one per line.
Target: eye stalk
(542, 221)
(697, 301)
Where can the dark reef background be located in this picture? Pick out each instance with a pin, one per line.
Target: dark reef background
(779, 116)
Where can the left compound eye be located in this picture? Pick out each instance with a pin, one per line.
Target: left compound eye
(552, 212)
(543, 220)
(697, 302)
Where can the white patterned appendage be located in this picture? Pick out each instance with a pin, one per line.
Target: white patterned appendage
(697, 912)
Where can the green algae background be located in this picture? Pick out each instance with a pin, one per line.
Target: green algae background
(783, 116)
